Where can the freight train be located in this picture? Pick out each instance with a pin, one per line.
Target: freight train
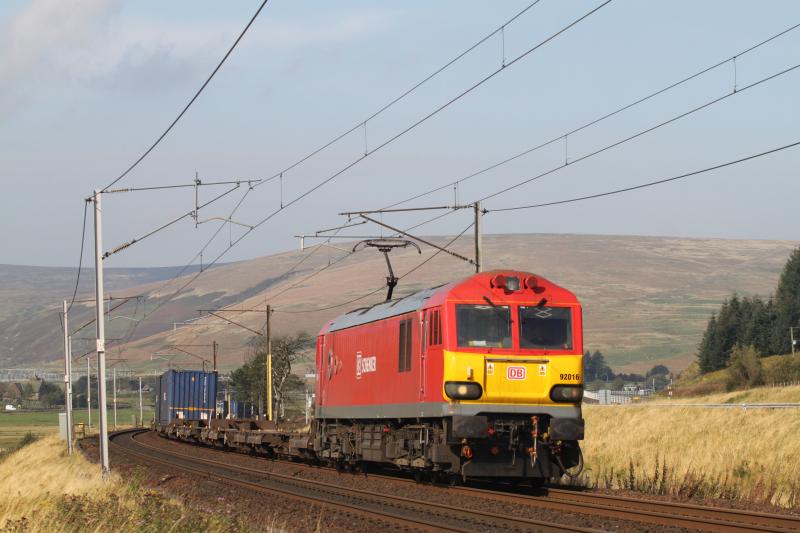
(478, 378)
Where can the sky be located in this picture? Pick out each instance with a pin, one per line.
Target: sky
(86, 86)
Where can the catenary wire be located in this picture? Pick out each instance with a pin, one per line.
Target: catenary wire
(306, 193)
(373, 115)
(340, 259)
(191, 101)
(385, 143)
(196, 256)
(348, 254)
(597, 120)
(438, 109)
(625, 140)
(507, 160)
(401, 96)
(650, 183)
(168, 224)
(642, 132)
(383, 287)
(80, 259)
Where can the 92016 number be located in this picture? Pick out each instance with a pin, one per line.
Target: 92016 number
(570, 377)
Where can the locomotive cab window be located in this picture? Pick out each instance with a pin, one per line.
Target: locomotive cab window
(483, 326)
(545, 328)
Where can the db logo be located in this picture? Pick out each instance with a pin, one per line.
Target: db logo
(515, 372)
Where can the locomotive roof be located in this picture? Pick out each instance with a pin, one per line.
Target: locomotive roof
(474, 285)
(400, 306)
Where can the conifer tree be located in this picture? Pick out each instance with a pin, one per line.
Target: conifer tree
(704, 353)
(787, 302)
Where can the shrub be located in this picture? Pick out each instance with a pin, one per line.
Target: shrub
(745, 369)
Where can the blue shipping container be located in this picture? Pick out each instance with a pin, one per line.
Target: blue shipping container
(186, 395)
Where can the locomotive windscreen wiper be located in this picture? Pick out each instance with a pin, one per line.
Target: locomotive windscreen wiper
(497, 309)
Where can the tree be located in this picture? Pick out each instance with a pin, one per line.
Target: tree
(50, 395)
(595, 367)
(658, 370)
(722, 334)
(752, 322)
(787, 301)
(745, 369)
(248, 381)
(786, 369)
(79, 393)
(705, 353)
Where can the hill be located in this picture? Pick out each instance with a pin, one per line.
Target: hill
(646, 299)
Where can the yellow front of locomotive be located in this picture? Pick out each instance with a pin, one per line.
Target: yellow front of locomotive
(512, 360)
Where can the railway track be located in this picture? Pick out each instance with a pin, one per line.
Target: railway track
(398, 511)
(684, 515)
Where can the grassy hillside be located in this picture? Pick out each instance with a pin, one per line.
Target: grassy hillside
(697, 452)
(646, 299)
(45, 490)
(692, 383)
(31, 296)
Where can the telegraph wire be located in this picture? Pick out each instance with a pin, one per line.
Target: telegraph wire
(597, 120)
(191, 101)
(643, 132)
(650, 183)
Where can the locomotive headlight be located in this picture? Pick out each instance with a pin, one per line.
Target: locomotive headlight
(463, 390)
(566, 393)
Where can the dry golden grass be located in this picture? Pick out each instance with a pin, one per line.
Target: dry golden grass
(699, 452)
(45, 490)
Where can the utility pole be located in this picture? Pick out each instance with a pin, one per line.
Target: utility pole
(101, 332)
(67, 380)
(214, 346)
(141, 411)
(89, 390)
(478, 240)
(114, 370)
(269, 363)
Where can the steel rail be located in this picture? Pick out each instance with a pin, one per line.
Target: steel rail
(694, 516)
(205, 473)
(750, 519)
(395, 507)
(680, 514)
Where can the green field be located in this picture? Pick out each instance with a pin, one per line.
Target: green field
(13, 425)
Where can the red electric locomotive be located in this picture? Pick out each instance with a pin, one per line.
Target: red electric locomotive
(479, 378)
